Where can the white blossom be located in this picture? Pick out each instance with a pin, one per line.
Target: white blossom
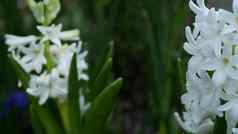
(47, 59)
(47, 85)
(54, 33)
(212, 75)
(34, 58)
(19, 42)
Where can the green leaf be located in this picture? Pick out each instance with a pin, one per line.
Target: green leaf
(101, 108)
(220, 126)
(50, 61)
(20, 72)
(102, 79)
(181, 72)
(73, 98)
(35, 121)
(46, 117)
(100, 62)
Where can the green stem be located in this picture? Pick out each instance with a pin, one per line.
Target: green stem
(63, 109)
(50, 61)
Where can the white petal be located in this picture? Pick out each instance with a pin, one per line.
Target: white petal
(232, 117)
(235, 130)
(227, 50)
(189, 35)
(206, 127)
(194, 64)
(58, 92)
(194, 7)
(228, 29)
(226, 16)
(33, 91)
(201, 3)
(219, 77)
(19, 40)
(209, 64)
(232, 72)
(44, 97)
(191, 49)
(217, 48)
(226, 106)
(56, 41)
(26, 58)
(70, 35)
(234, 60)
(181, 123)
(211, 17)
(235, 6)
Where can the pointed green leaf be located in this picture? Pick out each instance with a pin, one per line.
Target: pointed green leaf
(102, 79)
(73, 98)
(101, 108)
(101, 62)
(20, 72)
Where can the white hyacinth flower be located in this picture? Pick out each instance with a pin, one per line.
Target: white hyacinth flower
(39, 87)
(212, 75)
(54, 34)
(47, 58)
(191, 126)
(48, 86)
(225, 65)
(19, 42)
(33, 54)
(34, 58)
(201, 102)
(230, 18)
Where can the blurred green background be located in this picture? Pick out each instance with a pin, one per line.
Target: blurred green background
(148, 36)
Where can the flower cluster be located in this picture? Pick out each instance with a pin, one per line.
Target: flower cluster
(48, 60)
(47, 57)
(212, 75)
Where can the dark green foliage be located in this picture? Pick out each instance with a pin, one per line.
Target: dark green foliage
(73, 99)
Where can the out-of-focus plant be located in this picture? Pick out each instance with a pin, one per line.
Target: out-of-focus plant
(52, 68)
(166, 18)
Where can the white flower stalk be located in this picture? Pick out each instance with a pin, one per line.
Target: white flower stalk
(47, 58)
(212, 74)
